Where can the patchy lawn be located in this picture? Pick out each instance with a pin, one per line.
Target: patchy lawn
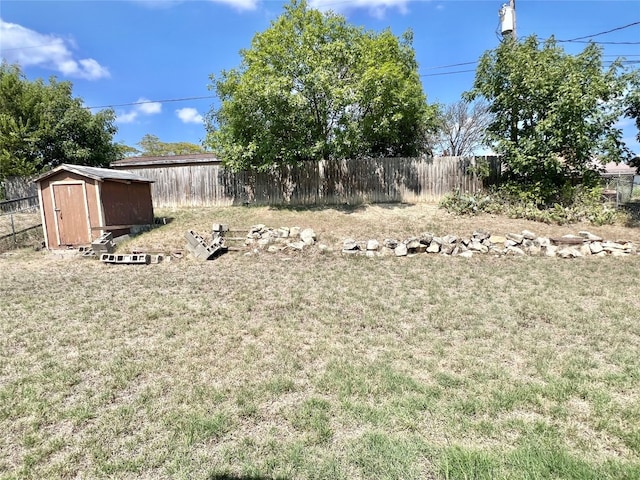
(321, 366)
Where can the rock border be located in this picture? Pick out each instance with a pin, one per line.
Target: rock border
(525, 243)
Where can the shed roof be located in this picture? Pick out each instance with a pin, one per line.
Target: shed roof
(95, 173)
(166, 160)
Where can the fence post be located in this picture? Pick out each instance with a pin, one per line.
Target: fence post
(13, 231)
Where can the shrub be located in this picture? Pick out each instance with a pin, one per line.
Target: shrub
(573, 204)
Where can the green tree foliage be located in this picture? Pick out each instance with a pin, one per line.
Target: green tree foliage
(633, 101)
(43, 126)
(151, 145)
(313, 86)
(553, 113)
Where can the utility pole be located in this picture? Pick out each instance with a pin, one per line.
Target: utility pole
(508, 20)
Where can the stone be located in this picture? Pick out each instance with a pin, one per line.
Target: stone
(412, 243)
(467, 254)
(350, 244)
(585, 250)
(534, 250)
(542, 241)
(497, 239)
(447, 248)
(437, 240)
(283, 232)
(526, 243)
(263, 242)
(514, 251)
(550, 250)
(568, 240)
(257, 228)
(596, 247)
(569, 252)
(401, 250)
(434, 247)
(425, 238)
(528, 235)
(308, 236)
(294, 232)
(481, 235)
(515, 237)
(373, 245)
(611, 246)
(590, 236)
(391, 243)
(275, 248)
(477, 246)
(510, 243)
(296, 245)
(370, 253)
(619, 253)
(449, 239)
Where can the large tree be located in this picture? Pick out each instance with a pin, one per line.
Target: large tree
(553, 113)
(462, 128)
(313, 86)
(42, 125)
(153, 146)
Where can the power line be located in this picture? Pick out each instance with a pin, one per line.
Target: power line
(599, 43)
(152, 101)
(446, 73)
(602, 33)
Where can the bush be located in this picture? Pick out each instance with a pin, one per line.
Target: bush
(574, 204)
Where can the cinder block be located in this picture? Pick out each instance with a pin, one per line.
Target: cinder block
(193, 238)
(220, 227)
(130, 259)
(104, 243)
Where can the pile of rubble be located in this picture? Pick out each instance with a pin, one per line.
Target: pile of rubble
(280, 239)
(525, 243)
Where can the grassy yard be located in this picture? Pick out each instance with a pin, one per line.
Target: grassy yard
(319, 366)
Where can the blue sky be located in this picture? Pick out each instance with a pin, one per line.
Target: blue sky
(121, 52)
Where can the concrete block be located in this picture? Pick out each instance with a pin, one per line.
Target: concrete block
(193, 238)
(104, 243)
(130, 259)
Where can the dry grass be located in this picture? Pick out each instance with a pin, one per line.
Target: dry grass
(320, 366)
(333, 225)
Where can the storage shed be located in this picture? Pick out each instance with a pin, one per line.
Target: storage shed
(78, 204)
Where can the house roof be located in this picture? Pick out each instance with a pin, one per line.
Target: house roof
(613, 168)
(95, 173)
(165, 160)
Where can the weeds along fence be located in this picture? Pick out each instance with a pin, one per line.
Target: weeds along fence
(326, 182)
(19, 220)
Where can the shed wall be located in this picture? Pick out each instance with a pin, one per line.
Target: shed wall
(127, 203)
(90, 210)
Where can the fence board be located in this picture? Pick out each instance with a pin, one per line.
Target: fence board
(353, 181)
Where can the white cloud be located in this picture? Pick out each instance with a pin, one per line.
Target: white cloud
(148, 107)
(377, 8)
(189, 115)
(143, 107)
(128, 117)
(29, 48)
(237, 4)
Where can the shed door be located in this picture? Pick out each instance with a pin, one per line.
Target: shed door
(72, 219)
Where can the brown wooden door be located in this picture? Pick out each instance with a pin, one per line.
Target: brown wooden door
(71, 213)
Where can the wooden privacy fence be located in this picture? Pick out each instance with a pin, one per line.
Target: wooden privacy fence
(328, 182)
